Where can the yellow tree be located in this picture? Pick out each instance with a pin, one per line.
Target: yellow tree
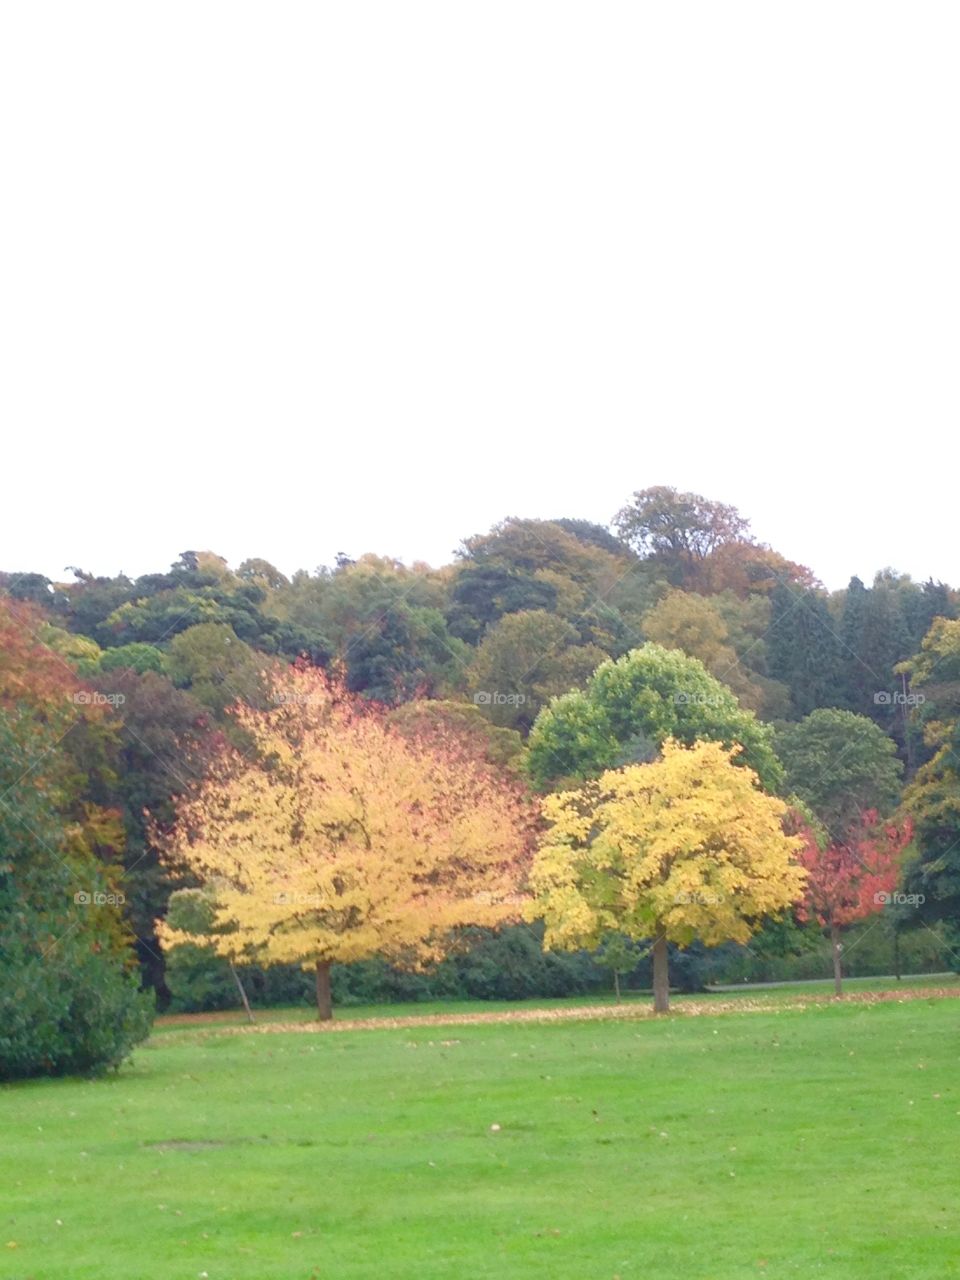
(687, 847)
(338, 838)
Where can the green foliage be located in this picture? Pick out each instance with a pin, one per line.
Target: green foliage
(647, 696)
(524, 660)
(385, 625)
(804, 649)
(67, 1001)
(136, 657)
(840, 765)
(216, 666)
(487, 964)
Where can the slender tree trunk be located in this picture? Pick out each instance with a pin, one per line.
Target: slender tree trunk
(661, 975)
(837, 967)
(243, 994)
(616, 984)
(324, 998)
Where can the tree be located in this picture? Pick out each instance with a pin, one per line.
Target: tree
(841, 766)
(850, 879)
(524, 660)
(694, 625)
(525, 565)
(630, 707)
(166, 738)
(132, 657)
(194, 912)
(681, 530)
(687, 847)
(385, 625)
(750, 568)
(844, 771)
(338, 839)
(216, 666)
(932, 800)
(439, 720)
(804, 649)
(68, 1001)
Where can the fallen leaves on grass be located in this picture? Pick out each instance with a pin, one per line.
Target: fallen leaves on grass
(589, 1013)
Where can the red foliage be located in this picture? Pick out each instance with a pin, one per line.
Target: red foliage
(848, 880)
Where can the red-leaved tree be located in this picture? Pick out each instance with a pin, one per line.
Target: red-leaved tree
(851, 879)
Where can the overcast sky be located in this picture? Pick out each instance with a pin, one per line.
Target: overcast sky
(286, 280)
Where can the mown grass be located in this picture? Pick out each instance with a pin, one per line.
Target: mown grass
(818, 1140)
(769, 992)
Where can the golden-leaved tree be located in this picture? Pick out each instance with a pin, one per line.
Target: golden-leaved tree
(337, 838)
(686, 847)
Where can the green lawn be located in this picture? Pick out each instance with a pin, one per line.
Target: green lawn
(768, 992)
(818, 1141)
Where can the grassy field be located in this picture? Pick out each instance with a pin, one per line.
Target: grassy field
(807, 1140)
(770, 993)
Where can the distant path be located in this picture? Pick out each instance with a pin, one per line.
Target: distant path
(580, 1013)
(811, 982)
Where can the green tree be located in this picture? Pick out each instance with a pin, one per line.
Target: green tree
(216, 666)
(840, 765)
(524, 660)
(694, 625)
(804, 649)
(630, 707)
(68, 1002)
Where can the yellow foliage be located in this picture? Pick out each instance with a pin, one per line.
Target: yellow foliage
(687, 847)
(339, 838)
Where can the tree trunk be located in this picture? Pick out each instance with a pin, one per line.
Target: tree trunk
(324, 998)
(616, 984)
(243, 994)
(661, 976)
(837, 968)
(153, 970)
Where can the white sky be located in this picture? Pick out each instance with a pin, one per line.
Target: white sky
(289, 279)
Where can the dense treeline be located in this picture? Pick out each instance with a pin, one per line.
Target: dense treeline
(117, 691)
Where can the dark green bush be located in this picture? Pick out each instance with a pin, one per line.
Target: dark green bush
(67, 1012)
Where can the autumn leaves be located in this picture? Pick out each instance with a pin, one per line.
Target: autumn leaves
(340, 834)
(337, 836)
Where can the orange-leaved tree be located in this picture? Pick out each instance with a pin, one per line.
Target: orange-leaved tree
(337, 838)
